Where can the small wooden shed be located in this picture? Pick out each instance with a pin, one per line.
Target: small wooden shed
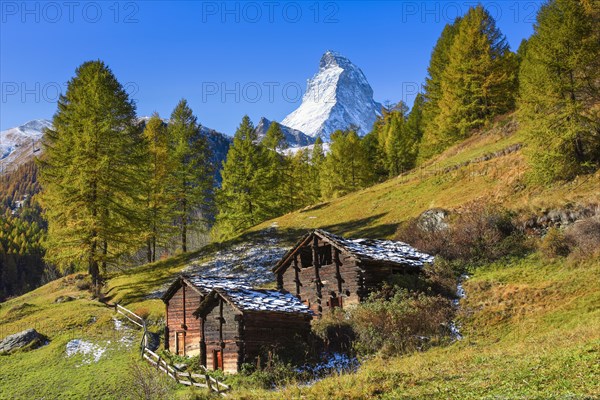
(182, 298)
(237, 324)
(326, 271)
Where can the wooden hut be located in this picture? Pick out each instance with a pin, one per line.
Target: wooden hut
(237, 324)
(182, 298)
(326, 271)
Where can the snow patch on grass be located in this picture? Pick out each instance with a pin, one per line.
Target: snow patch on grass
(337, 363)
(91, 352)
(127, 334)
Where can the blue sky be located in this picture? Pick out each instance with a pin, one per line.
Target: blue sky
(228, 59)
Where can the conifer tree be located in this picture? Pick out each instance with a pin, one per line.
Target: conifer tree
(560, 90)
(415, 127)
(242, 201)
(192, 171)
(374, 152)
(317, 157)
(440, 56)
(345, 168)
(158, 185)
(90, 173)
(479, 81)
(396, 143)
(277, 187)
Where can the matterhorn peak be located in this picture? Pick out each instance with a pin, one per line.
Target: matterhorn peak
(333, 58)
(337, 97)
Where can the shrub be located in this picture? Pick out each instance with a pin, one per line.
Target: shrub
(408, 321)
(439, 277)
(584, 237)
(478, 233)
(146, 383)
(142, 312)
(555, 244)
(275, 373)
(335, 331)
(84, 284)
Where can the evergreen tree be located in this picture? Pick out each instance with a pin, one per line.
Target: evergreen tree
(479, 81)
(276, 166)
(158, 185)
(415, 127)
(560, 90)
(440, 56)
(242, 200)
(345, 168)
(374, 152)
(192, 171)
(396, 143)
(317, 157)
(90, 173)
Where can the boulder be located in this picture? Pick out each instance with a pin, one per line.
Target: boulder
(28, 339)
(433, 220)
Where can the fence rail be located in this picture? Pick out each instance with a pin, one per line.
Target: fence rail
(203, 380)
(185, 378)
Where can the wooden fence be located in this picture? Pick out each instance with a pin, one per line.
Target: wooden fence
(185, 378)
(203, 380)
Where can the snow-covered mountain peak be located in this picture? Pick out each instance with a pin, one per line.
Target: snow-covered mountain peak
(337, 97)
(332, 59)
(20, 143)
(32, 128)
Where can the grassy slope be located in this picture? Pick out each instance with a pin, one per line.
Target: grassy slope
(377, 211)
(502, 356)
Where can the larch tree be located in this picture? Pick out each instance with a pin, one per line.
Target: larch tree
(438, 62)
(479, 81)
(192, 172)
(159, 184)
(559, 98)
(345, 169)
(241, 199)
(90, 173)
(277, 186)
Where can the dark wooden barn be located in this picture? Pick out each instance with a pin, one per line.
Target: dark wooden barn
(238, 324)
(182, 298)
(326, 271)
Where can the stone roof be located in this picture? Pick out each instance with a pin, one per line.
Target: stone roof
(388, 251)
(264, 300)
(208, 283)
(205, 284)
(383, 250)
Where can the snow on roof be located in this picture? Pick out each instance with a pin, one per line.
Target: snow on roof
(208, 283)
(265, 300)
(383, 250)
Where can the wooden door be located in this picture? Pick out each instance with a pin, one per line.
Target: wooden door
(335, 301)
(181, 343)
(217, 360)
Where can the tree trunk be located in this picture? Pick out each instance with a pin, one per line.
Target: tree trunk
(149, 250)
(184, 227)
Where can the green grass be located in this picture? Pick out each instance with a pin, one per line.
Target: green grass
(532, 327)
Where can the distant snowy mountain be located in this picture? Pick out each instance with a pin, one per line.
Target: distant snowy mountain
(293, 137)
(19, 144)
(338, 96)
